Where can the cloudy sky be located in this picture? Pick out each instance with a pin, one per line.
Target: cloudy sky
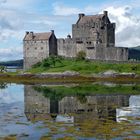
(18, 16)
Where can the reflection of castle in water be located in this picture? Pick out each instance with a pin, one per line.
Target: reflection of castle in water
(84, 108)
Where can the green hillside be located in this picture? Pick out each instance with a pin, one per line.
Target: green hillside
(18, 63)
(82, 66)
(134, 53)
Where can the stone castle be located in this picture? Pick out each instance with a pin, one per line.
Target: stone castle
(95, 35)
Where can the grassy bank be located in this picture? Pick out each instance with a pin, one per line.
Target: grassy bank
(86, 67)
(86, 72)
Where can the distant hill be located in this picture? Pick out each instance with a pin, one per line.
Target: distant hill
(18, 63)
(134, 53)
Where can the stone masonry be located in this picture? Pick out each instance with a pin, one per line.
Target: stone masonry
(38, 46)
(95, 35)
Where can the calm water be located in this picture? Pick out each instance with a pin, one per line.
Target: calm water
(13, 68)
(43, 112)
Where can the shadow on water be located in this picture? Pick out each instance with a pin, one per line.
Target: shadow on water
(87, 112)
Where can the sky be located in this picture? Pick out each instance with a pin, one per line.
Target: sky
(19, 16)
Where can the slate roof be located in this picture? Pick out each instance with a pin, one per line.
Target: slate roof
(37, 36)
(93, 18)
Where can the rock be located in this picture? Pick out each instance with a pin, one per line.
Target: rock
(112, 73)
(59, 74)
(109, 73)
(71, 73)
(128, 75)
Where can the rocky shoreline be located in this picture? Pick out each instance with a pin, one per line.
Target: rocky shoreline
(69, 76)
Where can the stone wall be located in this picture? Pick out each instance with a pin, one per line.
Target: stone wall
(69, 48)
(35, 51)
(112, 53)
(66, 48)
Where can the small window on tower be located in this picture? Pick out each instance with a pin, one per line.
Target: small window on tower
(89, 42)
(102, 27)
(79, 42)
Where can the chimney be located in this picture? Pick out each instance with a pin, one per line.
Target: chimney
(32, 34)
(69, 36)
(52, 31)
(27, 32)
(106, 13)
(81, 15)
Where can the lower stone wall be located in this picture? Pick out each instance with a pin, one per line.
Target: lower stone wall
(67, 48)
(70, 50)
(29, 61)
(112, 53)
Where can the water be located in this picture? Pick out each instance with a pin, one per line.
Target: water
(13, 68)
(84, 112)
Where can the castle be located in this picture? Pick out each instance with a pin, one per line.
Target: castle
(95, 35)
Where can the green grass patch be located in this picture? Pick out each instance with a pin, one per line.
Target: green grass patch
(87, 67)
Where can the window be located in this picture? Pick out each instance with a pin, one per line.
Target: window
(89, 43)
(35, 48)
(102, 27)
(41, 48)
(90, 48)
(79, 42)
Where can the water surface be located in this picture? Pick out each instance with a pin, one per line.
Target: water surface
(84, 112)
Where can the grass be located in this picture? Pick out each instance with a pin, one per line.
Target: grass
(85, 67)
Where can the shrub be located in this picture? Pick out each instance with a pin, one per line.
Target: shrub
(48, 62)
(81, 55)
(133, 68)
(3, 69)
(36, 65)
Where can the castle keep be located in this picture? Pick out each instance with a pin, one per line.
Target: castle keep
(95, 35)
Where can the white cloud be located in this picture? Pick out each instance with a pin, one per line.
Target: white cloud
(2, 1)
(127, 26)
(11, 53)
(18, 4)
(63, 10)
(10, 24)
(60, 9)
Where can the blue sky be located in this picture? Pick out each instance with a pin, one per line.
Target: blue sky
(18, 16)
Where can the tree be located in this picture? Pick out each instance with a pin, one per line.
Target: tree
(3, 69)
(81, 55)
